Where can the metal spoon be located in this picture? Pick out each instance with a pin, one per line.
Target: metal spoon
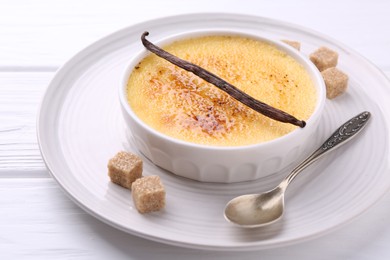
(255, 210)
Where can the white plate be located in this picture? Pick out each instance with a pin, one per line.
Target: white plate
(80, 127)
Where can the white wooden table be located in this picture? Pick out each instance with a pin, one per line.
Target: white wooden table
(38, 221)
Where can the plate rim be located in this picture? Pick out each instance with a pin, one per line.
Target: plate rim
(100, 42)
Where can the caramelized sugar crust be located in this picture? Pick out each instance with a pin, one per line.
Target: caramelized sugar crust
(181, 105)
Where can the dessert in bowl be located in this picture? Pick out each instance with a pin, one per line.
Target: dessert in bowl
(195, 130)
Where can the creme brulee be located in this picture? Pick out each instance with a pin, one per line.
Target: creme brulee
(179, 104)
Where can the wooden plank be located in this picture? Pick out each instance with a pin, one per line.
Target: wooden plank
(20, 94)
(44, 34)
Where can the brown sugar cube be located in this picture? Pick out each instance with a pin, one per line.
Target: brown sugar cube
(124, 168)
(324, 58)
(294, 44)
(148, 194)
(336, 82)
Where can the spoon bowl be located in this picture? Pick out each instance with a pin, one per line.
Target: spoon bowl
(256, 210)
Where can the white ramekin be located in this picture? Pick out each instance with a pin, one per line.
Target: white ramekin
(222, 164)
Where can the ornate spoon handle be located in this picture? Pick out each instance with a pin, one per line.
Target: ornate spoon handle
(343, 134)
